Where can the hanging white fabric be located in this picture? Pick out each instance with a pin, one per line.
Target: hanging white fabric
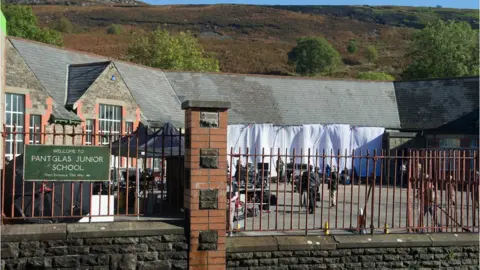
(285, 141)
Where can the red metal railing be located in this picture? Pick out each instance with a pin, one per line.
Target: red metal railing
(130, 186)
(411, 191)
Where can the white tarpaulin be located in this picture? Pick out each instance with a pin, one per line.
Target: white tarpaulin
(284, 140)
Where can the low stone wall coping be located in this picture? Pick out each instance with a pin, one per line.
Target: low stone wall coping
(292, 243)
(38, 232)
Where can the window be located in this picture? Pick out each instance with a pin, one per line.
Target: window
(450, 143)
(35, 129)
(110, 122)
(14, 116)
(89, 131)
(474, 147)
(129, 127)
(452, 158)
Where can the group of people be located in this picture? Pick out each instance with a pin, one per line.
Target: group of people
(424, 186)
(310, 182)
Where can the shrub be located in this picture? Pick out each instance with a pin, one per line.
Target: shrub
(114, 29)
(23, 23)
(352, 46)
(64, 25)
(314, 56)
(160, 49)
(375, 76)
(372, 54)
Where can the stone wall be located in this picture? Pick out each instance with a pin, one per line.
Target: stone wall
(107, 91)
(442, 251)
(120, 245)
(63, 134)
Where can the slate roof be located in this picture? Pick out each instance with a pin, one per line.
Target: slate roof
(149, 87)
(61, 114)
(81, 77)
(413, 105)
(432, 104)
(292, 101)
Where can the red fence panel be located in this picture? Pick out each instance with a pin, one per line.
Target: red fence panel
(140, 182)
(322, 191)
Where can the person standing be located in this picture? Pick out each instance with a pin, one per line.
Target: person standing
(332, 185)
(239, 172)
(233, 196)
(429, 205)
(280, 167)
(309, 185)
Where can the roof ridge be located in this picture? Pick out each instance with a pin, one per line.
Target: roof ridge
(91, 64)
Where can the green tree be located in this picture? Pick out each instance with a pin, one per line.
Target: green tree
(114, 29)
(352, 46)
(50, 36)
(444, 49)
(372, 54)
(64, 25)
(160, 49)
(314, 56)
(375, 76)
(23, 23)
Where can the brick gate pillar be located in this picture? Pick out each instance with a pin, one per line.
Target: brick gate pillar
(206, 182)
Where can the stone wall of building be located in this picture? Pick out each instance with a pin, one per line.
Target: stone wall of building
(21, 80)
(63, 134)
(121, 245)
(442, 251)
(107, 91)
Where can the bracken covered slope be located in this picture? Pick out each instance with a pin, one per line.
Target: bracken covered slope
(256, 39)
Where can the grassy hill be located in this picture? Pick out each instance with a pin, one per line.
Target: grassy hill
(256, 39)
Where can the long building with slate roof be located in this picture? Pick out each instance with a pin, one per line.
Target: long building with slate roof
(71, 88)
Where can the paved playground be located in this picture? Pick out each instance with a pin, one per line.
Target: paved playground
(389, 207)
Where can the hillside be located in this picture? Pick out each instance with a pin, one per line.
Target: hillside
(255, 39)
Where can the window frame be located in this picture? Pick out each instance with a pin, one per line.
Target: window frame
(13, 100)
(35, 129)
(89, 131)
(128, 127)
(109, 122)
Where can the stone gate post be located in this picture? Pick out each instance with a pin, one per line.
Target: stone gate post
(206, 182)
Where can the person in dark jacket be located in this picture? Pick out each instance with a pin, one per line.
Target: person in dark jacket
(239, 172)
(333, 186)
(310, 187)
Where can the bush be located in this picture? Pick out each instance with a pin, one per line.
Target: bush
(64, 25)
(160, 49)
(375, 76)
(314, 56)
(352, 46)
(23, 23)
(372, 54)
(114, 29)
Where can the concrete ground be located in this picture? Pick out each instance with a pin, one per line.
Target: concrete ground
(389, 207)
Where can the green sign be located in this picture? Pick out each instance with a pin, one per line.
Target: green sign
(3, 24)
(66, 163)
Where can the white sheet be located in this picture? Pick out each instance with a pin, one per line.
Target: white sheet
(285, 140)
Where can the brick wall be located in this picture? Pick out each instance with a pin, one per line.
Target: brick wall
(109, 246)
(205, 187)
